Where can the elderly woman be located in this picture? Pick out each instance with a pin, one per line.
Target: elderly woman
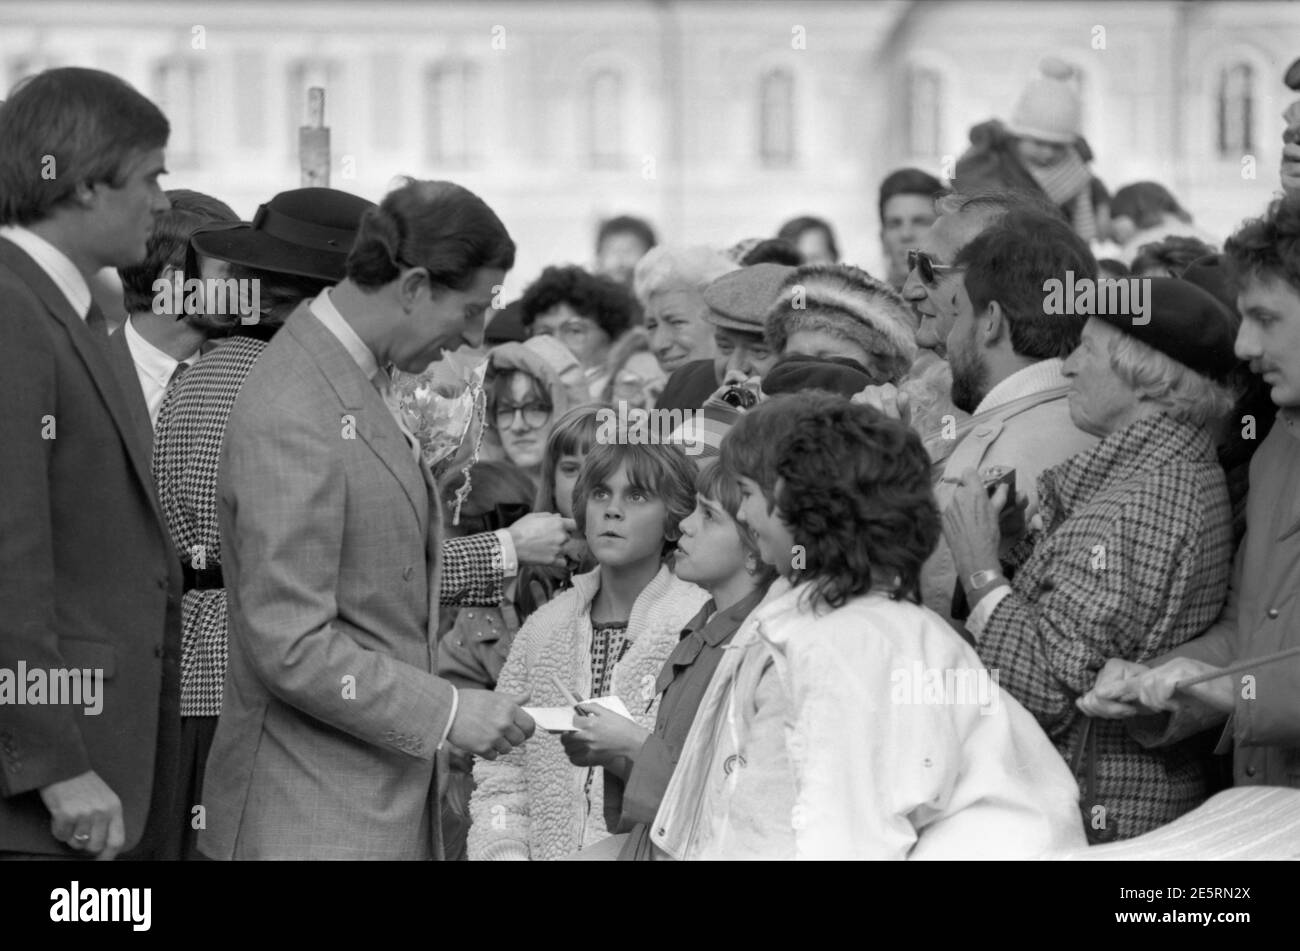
(836, 310)
(824, 732)
(1134, 552)
(669, 283)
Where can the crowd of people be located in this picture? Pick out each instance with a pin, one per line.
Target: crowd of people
(922, 570)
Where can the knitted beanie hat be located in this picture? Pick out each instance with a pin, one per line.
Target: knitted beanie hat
(845, 302)
(1049, 108)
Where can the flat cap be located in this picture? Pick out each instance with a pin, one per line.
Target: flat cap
(741, 299)
(1183, 321)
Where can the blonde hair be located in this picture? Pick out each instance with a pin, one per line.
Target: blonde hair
(1184, 394)
(696, 267)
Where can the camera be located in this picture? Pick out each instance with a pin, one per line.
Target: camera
(741, 397)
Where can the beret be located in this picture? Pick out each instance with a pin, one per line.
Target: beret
(798, 372)
(739, 300)
(1209, 274)
(1183, 321)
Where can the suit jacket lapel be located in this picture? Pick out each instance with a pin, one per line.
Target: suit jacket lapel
(433, 549)
(124, 366)
(99, 362)
(369, 416)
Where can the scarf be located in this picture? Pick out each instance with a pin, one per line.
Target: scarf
(1067, 183)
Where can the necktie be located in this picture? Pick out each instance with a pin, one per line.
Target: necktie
(96, 321)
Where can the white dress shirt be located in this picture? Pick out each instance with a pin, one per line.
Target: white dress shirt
(154, 367)
(55, 263)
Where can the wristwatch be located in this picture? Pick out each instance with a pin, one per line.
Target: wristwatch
(979, 579)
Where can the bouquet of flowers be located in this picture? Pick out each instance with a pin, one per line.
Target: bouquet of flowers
(440, 405)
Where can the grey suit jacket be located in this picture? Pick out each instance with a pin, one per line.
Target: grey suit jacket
(330, 538)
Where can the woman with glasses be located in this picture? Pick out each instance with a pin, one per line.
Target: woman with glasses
(585, 312)
(529, 386)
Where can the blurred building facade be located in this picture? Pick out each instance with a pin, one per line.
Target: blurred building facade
(715, 120)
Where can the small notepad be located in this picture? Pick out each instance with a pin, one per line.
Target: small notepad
(560, 719)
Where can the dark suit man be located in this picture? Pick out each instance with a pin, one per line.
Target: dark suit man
(89, 578)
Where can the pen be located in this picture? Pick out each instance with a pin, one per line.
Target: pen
(569, 696)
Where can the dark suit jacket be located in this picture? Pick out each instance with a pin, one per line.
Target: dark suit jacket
(88, 574)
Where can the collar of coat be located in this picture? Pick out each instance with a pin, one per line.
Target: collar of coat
(1150, 444)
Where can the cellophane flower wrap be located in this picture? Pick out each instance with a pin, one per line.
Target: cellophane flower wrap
(439, 405)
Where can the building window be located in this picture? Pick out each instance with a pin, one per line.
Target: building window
(1236, 110)
(177, 91)
(605, 109)
(452, 113)
(924, 117)
(776, 122)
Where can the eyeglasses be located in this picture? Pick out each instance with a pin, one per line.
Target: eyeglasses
(930, 272)
(535, 414)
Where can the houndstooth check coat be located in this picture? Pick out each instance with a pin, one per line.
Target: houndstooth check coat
(1134, 560)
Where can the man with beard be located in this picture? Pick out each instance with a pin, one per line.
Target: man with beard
(1006, 354)
(161, 344)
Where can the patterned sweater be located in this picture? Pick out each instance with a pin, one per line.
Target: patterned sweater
(1134, 561)
(530, 802)
(187, 448)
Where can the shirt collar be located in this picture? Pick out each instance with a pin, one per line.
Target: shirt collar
(54, 263)
(325, 311)
(1035, 378)
(159, 365)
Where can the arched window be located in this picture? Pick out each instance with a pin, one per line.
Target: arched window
(605, 112)
(776, 119)
(176, 83)
(1236, 110)
(452, 112)
(924, 111)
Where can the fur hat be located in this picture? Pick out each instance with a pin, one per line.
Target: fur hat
(1049, 108)
(846, 302)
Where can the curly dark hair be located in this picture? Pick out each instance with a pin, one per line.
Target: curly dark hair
(856, 495)
(1267, 246)
(606, 302)
(751, 447)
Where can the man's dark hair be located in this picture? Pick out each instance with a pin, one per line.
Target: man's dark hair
(1010, 262)
(795, 227)
(435, 225)
(995, 204)
(67, 127)
(1170, 255)
(167, 244)
(606, 302)
(857, 497)
(1267, 247)
(626, 224)
(772, 251)
(909, 181)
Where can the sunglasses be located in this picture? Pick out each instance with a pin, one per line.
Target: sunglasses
(923, 264)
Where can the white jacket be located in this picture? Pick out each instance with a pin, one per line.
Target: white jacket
(530, 803)
(832, 737)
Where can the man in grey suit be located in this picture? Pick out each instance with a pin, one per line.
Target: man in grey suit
(89, 579)
(330, 528)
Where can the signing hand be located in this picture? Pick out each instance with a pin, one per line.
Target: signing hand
(1114, 693)
(602, 736)
(1156, 688)
(970, 525)
(86, 814)
(540, 538)
(489, 724)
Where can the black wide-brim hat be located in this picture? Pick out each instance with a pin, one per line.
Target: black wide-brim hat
(306, 232)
